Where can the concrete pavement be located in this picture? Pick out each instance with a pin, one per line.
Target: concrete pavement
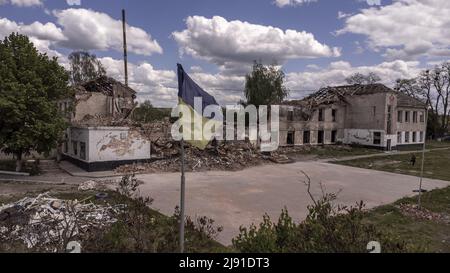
(241, 198)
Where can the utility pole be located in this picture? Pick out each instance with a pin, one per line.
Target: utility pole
(182, 196)
(125, 55)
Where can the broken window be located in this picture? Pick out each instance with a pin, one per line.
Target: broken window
(389, 121)
(306, 137)
(321, 115)
(75, 147)
(415, 117)
(421, 137)
(400, 116)
(320, 137)
(290, 138)
(406, 116)
(66, 144)
(333, 136)
(83, 150)
(290, 116)
(377, 138)
(399, 137)
(334, 115)
(414, 137)
(422, 117)
(406, 137)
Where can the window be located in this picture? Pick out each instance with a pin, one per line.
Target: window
(334, 115)
(414, 137)
(306, 137)
(75, 147)
(399, 137)
(321, 115)
(400, 116)
(374, 109)
(415, 116)
(422, 117)
(333, 136)
(377, 138)
(290, 138)
(406, 137)
(406, 116)
(83, 150)
(389, 121)
(421, 137)
(290, 115)
(66, 144)
(320, 137)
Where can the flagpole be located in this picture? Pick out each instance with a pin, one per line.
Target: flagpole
(182, 197)
(423, 160)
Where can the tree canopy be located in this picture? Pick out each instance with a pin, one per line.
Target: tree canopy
(30, 84)
(265, 85)
(359, 78)
(433, 88)
(84, 67)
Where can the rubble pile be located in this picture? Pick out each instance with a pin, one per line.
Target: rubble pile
(49, 222)
(413, 211)
(224, 156)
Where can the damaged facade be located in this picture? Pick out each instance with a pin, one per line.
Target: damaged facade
(369, 115)
(98, 138)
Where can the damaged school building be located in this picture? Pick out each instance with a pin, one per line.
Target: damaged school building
(99, 138)
(370, 115)
(102, 137)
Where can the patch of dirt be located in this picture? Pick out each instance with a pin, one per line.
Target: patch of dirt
(413, 211)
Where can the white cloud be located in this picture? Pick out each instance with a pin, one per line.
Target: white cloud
(90, 30)
(302, 83)
(230, 44)
(44, 36)
(405, 29)
(283, 3)
(73, 2)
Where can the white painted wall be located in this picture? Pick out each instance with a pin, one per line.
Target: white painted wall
(110, 144)
(363, 137)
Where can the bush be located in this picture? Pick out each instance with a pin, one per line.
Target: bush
(326, 229)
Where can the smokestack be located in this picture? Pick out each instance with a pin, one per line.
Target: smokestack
(125, 55)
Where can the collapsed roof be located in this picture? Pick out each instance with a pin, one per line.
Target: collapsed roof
(105, 85)
(330, 95)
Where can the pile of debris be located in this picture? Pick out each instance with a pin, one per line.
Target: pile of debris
(415, 212)
(234, 155)
(49, 223)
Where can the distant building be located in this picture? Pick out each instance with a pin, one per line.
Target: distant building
(99, 138)
(369, 115)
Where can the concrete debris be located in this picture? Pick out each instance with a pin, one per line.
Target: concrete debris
(234, 155)
(413, 211)
(50, 223)
(87, 186)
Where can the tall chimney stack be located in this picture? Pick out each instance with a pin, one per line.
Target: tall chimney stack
(125, 55)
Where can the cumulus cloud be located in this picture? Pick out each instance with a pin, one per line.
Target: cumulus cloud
(230, 44)
(302, 83)
(90, 30)
(44, 36)
(73, 2)
(284, 3)
(405, 29)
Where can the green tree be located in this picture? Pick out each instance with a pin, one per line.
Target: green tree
(146, 112)
(84, 67)
(264, 86)
(30, 84)
(359, 78)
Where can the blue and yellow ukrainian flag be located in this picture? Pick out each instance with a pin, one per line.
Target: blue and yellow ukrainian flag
(188, 90)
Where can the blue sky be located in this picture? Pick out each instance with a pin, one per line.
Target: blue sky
(317, 42)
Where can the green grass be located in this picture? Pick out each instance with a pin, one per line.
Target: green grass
(437, 144)
(425, 235)
(437, 164)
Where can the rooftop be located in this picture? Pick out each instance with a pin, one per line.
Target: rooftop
(103, 85)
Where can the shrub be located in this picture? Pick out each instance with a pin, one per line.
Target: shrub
(326, 229)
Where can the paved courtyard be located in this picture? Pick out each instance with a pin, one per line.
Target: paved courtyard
(241, 198)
